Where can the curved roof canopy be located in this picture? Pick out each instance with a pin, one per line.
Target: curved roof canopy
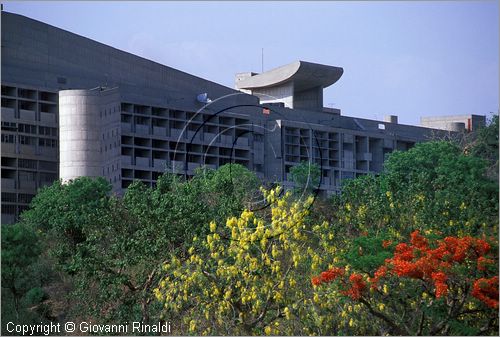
(304, 75)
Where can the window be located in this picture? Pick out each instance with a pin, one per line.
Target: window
(46, 142)
(26, 140)
(27, 176)
(9, 126)
(50, 177)
(25, 198)
(27, 128)
(27, 163)
(7, 138)
(47, 131)
(47, 165)
(8, 209)
(8, 197)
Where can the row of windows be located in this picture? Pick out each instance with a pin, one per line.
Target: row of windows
(26, 128)
(7, 138)
(47, 142)
(29, 164)
(27, 140)
(29, 128)
(8, 209)
(47, 131)
(22, 198)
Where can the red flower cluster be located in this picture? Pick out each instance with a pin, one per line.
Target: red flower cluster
(357, 285)
(486, 290)
(417, 260)
(482, 262)
(439, 279)
(418, 240)
(328, 276)
(379, 273)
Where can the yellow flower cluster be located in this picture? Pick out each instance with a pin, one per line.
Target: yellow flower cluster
(248, 274)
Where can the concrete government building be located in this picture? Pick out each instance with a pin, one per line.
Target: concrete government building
(75, 107)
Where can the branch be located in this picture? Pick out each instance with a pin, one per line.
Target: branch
(394, 326)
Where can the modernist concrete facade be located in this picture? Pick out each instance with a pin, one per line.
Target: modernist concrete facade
(75, 107)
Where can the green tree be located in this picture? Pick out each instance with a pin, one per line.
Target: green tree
(250, 275)
(434, 186)
(22, 278)
(61, 213)
(427, 286)
(306, 177)
(485, 145)
(113, 248)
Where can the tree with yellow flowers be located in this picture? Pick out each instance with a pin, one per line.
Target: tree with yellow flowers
(251, 275)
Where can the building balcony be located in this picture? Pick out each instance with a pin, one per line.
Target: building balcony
(27, 149)
(27, 184)
(8, 183)
(7, 114)
(142, 161)
(160, 163)
(193, 166)
(27, 114)
(47, 117)
(8, 148)
(349, 164)
(159, 131)
(141, 129)
(228, 140)
(48, 151)
(242, 141)
(209, 138)
(176, 133)
(126, 127)
(193, 135)
(177, 166)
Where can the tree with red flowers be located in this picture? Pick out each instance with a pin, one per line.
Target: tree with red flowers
(427, 286)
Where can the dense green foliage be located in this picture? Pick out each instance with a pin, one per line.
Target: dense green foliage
(23, 276)
(306, 177)
(433, 186)
(199, 253)
(112, 248)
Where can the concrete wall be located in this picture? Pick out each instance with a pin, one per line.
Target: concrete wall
(80, 134)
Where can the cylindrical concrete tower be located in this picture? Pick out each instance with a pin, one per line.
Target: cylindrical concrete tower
(79, 134)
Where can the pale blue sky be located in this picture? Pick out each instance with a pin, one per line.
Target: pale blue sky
(410, 59)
